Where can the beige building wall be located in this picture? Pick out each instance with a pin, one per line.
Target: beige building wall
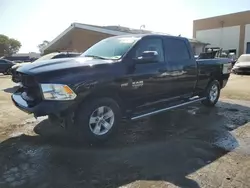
(220, 37)
(228, 31)
(77, 40)
(83, 39)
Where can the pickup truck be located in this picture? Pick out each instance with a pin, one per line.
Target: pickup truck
(129, 76)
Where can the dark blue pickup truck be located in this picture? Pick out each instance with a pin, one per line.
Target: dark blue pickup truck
(130, 76)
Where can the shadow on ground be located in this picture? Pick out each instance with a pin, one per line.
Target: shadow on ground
(11, 89)
(165, 149)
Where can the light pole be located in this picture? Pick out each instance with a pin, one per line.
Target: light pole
(142, 26)
(221, 33)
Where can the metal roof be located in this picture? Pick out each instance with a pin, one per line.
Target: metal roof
(112, 30)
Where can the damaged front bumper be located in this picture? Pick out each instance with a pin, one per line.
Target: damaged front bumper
(42, 108)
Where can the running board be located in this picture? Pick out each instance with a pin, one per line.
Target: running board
(166, 109)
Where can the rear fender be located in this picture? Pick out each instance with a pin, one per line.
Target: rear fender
(216, 76)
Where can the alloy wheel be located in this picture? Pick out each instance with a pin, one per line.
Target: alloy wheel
(101, 120)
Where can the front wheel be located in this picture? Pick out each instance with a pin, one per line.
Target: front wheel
(97, 120)
(212, 93)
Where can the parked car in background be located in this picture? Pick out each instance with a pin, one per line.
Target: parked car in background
(132, 77)
(16, 58)
(5, 66)
(54, 55)
(242, 65)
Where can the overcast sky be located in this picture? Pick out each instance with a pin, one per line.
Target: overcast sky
(32, 21)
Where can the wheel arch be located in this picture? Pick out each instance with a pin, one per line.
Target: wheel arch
(216, 76)
(104, 92)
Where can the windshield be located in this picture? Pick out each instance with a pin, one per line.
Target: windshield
(244, 58)
(46, 57)
(111, 48)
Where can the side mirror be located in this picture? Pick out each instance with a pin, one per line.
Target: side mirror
(148, 57)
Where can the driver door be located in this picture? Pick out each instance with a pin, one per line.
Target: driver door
(151, 77)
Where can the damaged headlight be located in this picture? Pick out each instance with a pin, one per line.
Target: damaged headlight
(57, 92)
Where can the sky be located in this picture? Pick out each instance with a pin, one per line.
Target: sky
(32, 21)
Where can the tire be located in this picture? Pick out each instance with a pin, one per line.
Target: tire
(212, 93)
(98, 131)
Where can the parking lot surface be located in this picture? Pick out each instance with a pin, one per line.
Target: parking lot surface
(189, 147)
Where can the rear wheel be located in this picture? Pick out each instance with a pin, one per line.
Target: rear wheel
(212, 93)
(97, 120)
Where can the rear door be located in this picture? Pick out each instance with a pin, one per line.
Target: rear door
(181, 65)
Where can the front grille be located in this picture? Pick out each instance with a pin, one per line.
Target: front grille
(27, 80)
(31, 92)
(15, 76)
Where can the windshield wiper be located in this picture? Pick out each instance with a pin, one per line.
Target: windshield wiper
(95, 56)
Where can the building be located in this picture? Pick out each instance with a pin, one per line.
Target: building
(230, 32)
(79, 37)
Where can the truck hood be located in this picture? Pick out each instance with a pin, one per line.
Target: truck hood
(16, 66)
(61, 64)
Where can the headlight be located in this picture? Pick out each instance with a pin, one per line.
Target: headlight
(57, 92)
(15, 66)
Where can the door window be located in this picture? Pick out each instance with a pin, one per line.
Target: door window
(176, 50)
(153, 44)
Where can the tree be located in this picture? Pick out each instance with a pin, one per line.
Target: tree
(8, 46)
(43, 45)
